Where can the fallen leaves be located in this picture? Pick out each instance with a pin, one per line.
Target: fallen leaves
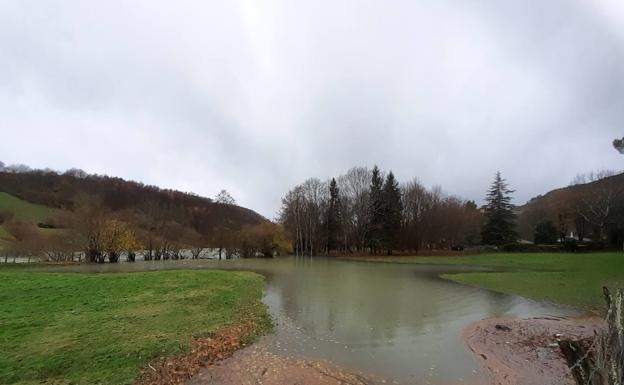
(176, 370)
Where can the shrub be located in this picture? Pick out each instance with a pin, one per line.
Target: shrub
(546, 233)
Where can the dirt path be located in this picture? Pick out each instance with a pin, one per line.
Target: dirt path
(256, 365)
(525, 351)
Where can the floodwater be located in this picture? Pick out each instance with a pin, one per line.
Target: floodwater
(396, 321)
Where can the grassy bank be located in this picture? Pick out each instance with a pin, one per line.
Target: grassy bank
(70, 328)
(568, 278)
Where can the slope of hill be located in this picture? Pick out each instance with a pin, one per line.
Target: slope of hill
(597, 205)
(23, 210)
(39, 196)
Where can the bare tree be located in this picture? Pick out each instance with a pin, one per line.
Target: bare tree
(222, 238)
(303, 213)
(224, 197)
(354, 189)
(59, 247)
(416, 202)
(291, 216)
(596, 194)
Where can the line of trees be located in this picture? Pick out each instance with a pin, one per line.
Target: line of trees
(93, 235)
(368, 210)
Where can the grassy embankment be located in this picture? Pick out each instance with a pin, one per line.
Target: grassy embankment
(73, 328)
(23, 211)
(567, 278)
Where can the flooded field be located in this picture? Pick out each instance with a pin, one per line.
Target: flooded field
(400, 322)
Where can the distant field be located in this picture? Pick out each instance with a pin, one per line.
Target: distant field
(568, 278)
(23, 211)
(73, 328)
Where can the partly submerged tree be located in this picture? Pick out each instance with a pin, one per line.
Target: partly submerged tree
(500, 224)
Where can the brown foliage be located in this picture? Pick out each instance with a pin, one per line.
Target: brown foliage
(266, 239)
(204, 351)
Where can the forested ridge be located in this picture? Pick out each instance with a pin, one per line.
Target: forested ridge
(64, 191)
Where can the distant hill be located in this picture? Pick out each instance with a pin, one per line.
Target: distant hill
(39, 196)
(562, 206)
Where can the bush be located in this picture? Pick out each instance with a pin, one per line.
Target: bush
(546, 233)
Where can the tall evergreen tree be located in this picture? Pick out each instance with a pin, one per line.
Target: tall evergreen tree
(392, 210)
(499, 227)
(374, 234)
(334, 217)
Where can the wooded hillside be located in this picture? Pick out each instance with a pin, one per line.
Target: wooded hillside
(591, 208)
(105, 216)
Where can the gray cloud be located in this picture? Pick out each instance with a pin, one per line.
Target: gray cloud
(257, 96)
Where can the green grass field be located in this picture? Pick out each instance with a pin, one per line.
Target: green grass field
(568, 278)
(74, 328)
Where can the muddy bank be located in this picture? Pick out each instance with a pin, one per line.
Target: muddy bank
(525, 351)
(228, 358)
(256, 364)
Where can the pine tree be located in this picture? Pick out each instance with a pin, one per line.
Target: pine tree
(334, 217)
(393, 209)
(374, 232)
(499, 227)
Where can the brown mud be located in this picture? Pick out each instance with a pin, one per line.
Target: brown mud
(258, 365)
(525, 351)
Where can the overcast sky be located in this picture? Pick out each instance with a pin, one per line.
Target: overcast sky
(255, 96)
